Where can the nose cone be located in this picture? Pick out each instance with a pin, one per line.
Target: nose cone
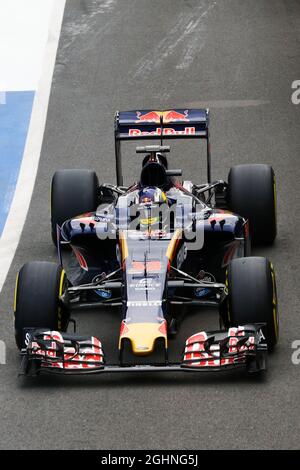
(143, 336)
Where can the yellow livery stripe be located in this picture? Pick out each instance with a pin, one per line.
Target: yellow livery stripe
(61, 282)
(16, 292)
(124, 247)
(171, 248)
(150, 221)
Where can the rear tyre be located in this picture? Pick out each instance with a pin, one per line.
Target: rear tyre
(39, 285)
(252, 296)
(252, 194)
(73, 192)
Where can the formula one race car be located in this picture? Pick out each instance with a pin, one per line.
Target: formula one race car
(154, 249)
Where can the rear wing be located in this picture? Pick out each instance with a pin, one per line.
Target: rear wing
(160, 125)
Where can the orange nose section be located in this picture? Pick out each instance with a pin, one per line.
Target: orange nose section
(143, 336)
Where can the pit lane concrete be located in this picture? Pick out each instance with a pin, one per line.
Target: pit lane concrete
(240, 58)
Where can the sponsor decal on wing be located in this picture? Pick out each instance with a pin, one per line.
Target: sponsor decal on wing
(165, 132)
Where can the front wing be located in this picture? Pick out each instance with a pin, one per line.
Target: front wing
(54, 352)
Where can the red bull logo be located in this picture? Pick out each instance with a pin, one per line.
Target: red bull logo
(167, 131)
(167, 116)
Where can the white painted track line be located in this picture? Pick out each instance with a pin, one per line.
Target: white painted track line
(18, 211)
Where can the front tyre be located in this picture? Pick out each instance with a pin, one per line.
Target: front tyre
(252, 296)
(39, 286)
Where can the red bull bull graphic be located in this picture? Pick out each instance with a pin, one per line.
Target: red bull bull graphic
(167, 116)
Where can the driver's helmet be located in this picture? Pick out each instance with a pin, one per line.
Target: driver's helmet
(152, 208)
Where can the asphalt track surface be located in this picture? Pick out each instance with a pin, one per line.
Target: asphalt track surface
(240, 58)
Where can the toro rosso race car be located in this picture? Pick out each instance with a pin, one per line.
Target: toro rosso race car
(155, 249)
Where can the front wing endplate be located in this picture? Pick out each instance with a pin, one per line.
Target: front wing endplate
(243, 345)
